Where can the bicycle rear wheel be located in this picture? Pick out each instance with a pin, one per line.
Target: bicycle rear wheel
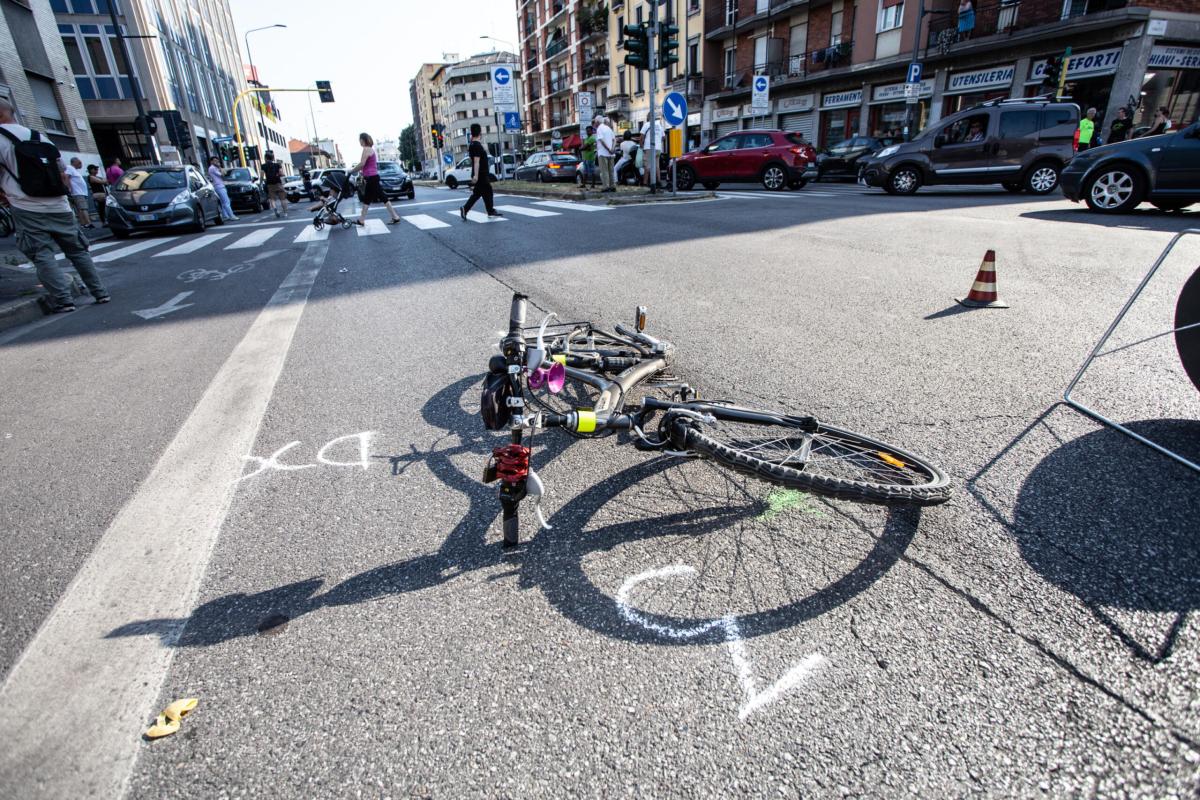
(827, 460)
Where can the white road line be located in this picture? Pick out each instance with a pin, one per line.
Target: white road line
(146, 244)
(74, 703)
(526, 211)
(740, 196)
(373, 227)
(311, 234)
(254, 238)
(425, 222)
(478, 216)
(192, 245)
(570, 206)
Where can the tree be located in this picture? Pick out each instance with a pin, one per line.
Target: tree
(408, 145)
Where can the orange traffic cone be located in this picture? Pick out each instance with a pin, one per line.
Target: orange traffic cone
(983, 291)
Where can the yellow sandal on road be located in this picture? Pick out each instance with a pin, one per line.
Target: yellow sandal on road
(168, 721)
(180, 708)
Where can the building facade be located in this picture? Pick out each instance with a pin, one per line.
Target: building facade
(188, 61)
(266, 120)
(35, 75)
(467, 98)
(425, 94)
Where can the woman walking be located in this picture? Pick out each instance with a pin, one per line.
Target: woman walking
(98, 186)
(372, 190)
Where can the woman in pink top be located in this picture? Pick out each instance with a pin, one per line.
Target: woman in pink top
(114, 172)
(372, 190)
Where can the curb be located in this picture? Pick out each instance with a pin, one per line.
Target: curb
(26, 309)
(661, 198)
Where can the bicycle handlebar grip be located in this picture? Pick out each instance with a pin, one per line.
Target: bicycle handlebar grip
(516, 316)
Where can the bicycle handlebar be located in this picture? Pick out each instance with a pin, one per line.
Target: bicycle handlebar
(516, 316)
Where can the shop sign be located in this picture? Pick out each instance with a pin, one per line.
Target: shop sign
(895, 91)
(841, 99)
(1082, 65)
(1164, 57)
(725, 114)
(800, 102)
(963, 82)
(750, 111)
(693, 119)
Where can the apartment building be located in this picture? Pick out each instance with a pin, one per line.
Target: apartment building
(467, 98)
(837, 68)
(35, 75)
(425, 93)
(565, 46)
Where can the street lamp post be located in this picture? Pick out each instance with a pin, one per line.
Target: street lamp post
(261, 121)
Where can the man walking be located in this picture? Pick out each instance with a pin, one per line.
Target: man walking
(481, 183)
(1119, 130)
(78, 192)
(218, 182)
(273, 176)
(606, 148)
(1087, 129)
(33, 182)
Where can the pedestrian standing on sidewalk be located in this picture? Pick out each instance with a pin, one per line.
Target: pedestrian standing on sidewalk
(628, 150)
(481, 182)
(1119, 130)
(368, 164)
(33, 183)
(78, 192)
(606, 148)
(98, 185)
(587, 153)
(114, 172)
(1087, 129)
(272, 172)
(218, 182)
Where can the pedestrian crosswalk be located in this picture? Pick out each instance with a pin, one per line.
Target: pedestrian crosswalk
(254, 238)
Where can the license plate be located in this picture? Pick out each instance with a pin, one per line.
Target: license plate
(146, 217)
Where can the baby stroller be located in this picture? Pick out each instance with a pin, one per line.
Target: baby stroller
(340, 188)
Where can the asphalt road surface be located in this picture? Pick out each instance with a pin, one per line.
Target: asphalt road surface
(253, 479)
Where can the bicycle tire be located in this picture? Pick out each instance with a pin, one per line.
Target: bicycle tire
(900, 478)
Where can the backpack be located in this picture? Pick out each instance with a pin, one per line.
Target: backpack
(272, 170)
(37, 166)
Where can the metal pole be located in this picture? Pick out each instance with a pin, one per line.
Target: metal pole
(652, 57)
(499, 144)
(261, 122)
(143, 122)
(910, 111)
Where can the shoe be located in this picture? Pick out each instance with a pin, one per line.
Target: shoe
(395, 221)
(462, 212)
(102, 300)
(50, 308)
(495, 214)
(234, 218)
(278, 214)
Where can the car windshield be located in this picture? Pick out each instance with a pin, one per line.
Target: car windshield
(390, 168)
(140, 179)
(237, 175)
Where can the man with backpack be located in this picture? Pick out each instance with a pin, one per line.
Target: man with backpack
(33, 183)
(272, 172)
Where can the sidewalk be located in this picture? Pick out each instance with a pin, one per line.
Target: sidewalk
(19, 285)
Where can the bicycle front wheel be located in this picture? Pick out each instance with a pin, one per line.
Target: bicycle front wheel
(828, 460)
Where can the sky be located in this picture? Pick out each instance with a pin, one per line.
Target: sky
(369, 51)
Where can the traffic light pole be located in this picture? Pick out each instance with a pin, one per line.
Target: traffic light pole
(652, 58)
(237, 127)
(143, 122)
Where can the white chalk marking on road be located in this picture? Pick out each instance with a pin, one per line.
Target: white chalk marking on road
(73, 705)
(137, 247)
(364, 451)
(254, 238)
(425, 222)
(478, 216)
(754, 698)
(192, 245)
(373, 227)
(569, 206)
(526, 211)
(311, 234)
(165, 308)
(272, 462)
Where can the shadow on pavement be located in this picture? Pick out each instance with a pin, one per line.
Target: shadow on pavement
(1144, 218)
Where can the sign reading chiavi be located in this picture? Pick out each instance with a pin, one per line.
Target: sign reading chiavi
(994, 78)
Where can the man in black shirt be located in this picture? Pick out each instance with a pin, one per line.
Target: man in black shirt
(1119, 130)
(481, 183)
(272, 172)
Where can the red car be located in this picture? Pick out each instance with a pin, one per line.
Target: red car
(776, 158)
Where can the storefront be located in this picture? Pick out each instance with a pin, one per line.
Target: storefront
(1089, 79)
(725, 120)
(966, 89)
(1172, 80)
(762, 118)
(693, 132)
(796, 115)
(840, 114)
(888, 113)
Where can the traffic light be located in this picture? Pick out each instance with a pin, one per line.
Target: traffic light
(252, 152)
(325, 93)
(668, 47)
(1053, 73)
(183, 137)
(435, 133)
(637, 45)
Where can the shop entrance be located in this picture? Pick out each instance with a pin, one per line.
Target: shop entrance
(839, 124)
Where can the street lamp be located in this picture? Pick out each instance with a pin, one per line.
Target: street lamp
(500, 41)
(262, 122)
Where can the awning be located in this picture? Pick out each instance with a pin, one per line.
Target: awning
(572, 141)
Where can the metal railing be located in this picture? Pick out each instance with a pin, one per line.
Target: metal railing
(999, 19)
(796, 66)
(596, 68)
(557, 46)
(558, 83)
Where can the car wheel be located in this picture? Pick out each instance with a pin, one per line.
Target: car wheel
(710, 185)
(1114, 190)
(905, 180)
(799, 183)
(200, 224)
(452, 182)
(1015, 188)
(1042, 178)
(774, 178)
(685, 178)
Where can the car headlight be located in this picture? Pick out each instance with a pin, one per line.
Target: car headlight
(887, 151)
(180, 199)
(111, 202)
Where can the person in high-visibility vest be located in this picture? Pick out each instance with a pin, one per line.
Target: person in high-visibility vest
(1087, 130)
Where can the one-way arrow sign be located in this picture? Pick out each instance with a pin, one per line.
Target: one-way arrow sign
(165, 308)
(674, 109)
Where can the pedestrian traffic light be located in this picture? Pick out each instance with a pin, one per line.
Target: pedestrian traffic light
(1053, 73)
(637, 45)
(668, 47)
(325, 93)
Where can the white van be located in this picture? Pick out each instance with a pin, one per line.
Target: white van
(501, 168)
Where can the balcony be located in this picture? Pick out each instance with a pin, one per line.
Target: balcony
(556, 47)
(947, 30)
(617, 104)
(595, 69)
(531, 62)
(558, 84)
(556, 8)
(559, 119)
(722, 21)
(533, 93)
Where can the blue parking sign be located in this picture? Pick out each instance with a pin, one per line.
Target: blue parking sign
(512, 122)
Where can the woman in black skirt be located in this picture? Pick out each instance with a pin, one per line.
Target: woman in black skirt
(372, 191)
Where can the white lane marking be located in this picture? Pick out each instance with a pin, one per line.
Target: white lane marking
(478, 216)
(137, 247)
(254, 238)
(192, 245)
(525, 211)
(166, 308)
(373, 227)
(311, 234)
(26, 266)
(425, 222)
(739, 196)
(754, 698)
(75, 701)
(569, 206)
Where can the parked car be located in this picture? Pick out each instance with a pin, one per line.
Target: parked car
(246, 191)
(317, 176)
(548, 168)
(1115, 178)
(392, 179)
(775, 158)
(157, 198)
(293, 187)
(844, 159)
(461, 173)
(1020, 144)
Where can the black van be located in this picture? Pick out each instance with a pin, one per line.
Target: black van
(1020, 144)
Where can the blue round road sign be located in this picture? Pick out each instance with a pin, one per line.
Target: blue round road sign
(449, 159)
(674, 109)
(502, 75)
(760, 83)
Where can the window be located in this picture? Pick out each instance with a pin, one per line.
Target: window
(731, 7)
(891, 15)
(621, 80)
(730, 66)
(968, 130)
(1019, 124)
(835, 26)
(693, 56)
(760, 54)
(74, 55)
(47, 103)
(726, 144)
(753, 140)
(95, 48)
(798, 39)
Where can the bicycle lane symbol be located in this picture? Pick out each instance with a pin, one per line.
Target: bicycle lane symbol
(754, 697)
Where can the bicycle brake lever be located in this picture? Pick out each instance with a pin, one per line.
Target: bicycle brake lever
(536, 489)
(536, 356)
